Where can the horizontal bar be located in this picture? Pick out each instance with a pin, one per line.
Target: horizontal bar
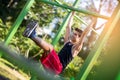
(63, 25)
(81, 20)
(85, 23)
(75, 9)
(78, 18)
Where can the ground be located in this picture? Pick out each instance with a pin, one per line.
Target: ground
(10, 72)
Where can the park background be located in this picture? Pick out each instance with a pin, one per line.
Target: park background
(50, 18)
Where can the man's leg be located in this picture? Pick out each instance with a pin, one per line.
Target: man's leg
(30, 32)
(43, 44)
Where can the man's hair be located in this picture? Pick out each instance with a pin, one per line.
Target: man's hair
(78, 30)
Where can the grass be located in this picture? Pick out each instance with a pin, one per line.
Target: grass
(10, 72)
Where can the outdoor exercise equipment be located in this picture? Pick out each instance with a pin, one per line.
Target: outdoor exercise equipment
(95, 52)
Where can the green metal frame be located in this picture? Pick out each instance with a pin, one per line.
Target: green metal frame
(25, 64)
(95, 52)
(18, 21)
(63, 25)
(27, 7)
(77, 17)
(74, 9)
(118, 76)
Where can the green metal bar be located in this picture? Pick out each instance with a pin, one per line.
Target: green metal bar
(118, 76)
(25, 64)
(60, 30)
(64, 24)
(18, 21)
(95, 52)
(0, 55)
(81, 20)
(74, 9)
(85, 23)
(78, 18)
(75, 15)
(58, 1)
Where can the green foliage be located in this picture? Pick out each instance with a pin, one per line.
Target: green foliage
(73, 68)
(3, 30)
(44, 14)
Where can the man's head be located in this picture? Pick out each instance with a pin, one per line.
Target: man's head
(76, 34)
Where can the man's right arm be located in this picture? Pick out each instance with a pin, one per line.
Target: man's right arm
(84, 34)
(68, 28)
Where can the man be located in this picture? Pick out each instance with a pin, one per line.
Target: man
(73, 43)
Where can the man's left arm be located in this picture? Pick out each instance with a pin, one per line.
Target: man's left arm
(84, 34)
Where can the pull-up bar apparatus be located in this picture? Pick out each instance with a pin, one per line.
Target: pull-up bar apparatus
(63, 25)
(85, 23)
(27, 7)
(74, 9)
(78, 18)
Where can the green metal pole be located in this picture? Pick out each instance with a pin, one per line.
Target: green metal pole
(18, 21)
(64, 24)
(118, 76)
(84, 23)
(25, 64)
(95, 52)
(74, 9)
(75, 15)
(81, 20)
(60, 30)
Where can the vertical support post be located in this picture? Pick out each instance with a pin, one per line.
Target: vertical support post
(64, 24)
(95, 52)
(18, 21)
(118, 76)
(0, 54)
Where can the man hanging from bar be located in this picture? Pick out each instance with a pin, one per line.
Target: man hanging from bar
(73, 42)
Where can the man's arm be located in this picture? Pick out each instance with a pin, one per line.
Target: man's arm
(84, 34)
(68, 28)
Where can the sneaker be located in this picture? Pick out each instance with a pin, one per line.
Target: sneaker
(30, 28)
